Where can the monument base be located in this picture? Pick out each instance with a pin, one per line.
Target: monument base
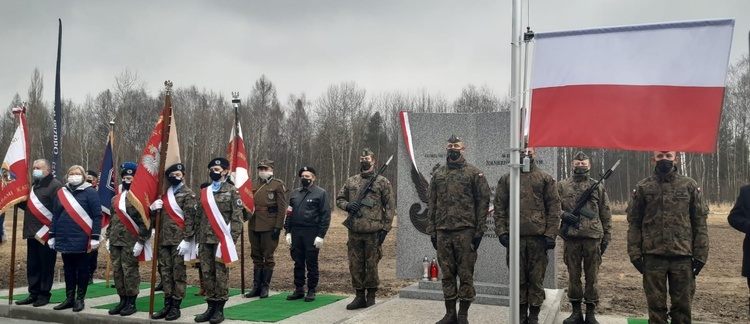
(487, 293)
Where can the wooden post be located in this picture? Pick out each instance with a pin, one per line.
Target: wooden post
(13, 255)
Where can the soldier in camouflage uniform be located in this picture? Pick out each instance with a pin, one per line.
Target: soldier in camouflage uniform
(368, 230)
(459, 199)
(668, 238)
(215, 273)
(539, 224)
(124, 247)
(264, 228)
(171, 232)
(587, 243)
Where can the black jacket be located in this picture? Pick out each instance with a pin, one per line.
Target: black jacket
(309, 208)
(46, 190)
(739, 218)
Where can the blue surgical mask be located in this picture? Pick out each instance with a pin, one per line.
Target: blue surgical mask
(37, 174)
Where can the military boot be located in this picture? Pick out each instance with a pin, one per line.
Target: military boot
(202, 290)
(256, 284)
(463, 311)
(159, 287)
(450, 313)
(359, 301)
(119, 307)
(165, 310)
(68, 302)
(577, 316)
(310, 294)
(206, 316)
(298, 293)
(524, 313)
(129, 308)
(534, 314)
(265, 276)
(591, 314)
(371, 296)
(174, 311)
(218, 316)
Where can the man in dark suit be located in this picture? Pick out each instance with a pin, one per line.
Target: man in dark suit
(739, 218)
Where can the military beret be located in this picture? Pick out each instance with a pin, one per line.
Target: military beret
(454, 139)
(173, 168)
(265, 163)
(367, 152)
(580, 156)
(128, 168)
(222, 162)
(306, 168)
(92, 173)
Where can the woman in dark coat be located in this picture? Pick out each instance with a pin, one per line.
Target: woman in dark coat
(739, 218)
(75, 234)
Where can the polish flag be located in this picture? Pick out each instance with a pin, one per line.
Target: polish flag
(240, 168)
(645, 87)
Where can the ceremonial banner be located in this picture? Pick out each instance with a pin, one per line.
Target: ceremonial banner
(239, 166)
(15, 168)
(107, 185)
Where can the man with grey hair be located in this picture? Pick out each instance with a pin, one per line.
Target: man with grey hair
(37, 220)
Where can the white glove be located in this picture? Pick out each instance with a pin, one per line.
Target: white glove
(157, 204)
(51, 243)
(318, 242)
(183, 247)
(94, 244)
(137, 249)
(197, 249)
(107, 246)
(289, 238)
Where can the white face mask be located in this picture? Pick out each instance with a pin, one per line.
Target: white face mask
(75, 179)
(265, 175)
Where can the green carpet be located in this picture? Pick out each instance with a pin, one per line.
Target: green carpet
(141, 303)
(637, 321)
(276, 308)
(93, 291)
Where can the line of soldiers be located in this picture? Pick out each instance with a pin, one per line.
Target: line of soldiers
(667, 233)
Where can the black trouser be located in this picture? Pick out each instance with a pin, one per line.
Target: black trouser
(93, 256)
(305, 255)
(76, 266)
(40, 268)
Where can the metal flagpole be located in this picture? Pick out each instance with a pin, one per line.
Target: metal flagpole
(233, 162)
(515, 146)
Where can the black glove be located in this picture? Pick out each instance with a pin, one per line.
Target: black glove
(638, 264)
(504, 240)
(433, 239)
(570, 219)
(275, 234)
(381, 237)
(697, 266)
(603, 247)
(549, 243)
(475, 243)
(353, 207)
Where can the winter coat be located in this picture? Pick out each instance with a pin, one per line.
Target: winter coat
(69, 236)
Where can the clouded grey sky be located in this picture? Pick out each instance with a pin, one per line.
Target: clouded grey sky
(302, 46)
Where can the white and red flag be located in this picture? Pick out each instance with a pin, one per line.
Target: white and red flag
(644, 87)
(14, 171)
(240, 168)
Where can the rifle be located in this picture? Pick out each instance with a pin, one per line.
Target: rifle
(360, 199)
(578, 210)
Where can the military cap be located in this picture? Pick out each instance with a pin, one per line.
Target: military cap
(173, 168)
(454, 139)
(367, 152)
(220, 161)
(580, 156)
(306, 168)
(265, 163)
(92, 173)
(128, 168)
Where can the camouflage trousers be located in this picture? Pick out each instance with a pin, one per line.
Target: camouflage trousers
(456, 258)
(215, 274)
(583, 255)
(364, 255)
(125, 270)
(532, 266)
(172, 272)
(262, 248)
(678, 273)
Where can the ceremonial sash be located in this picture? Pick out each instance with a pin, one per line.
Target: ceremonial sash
(226, 251)
(133, 228)
(173, 209)
(76, 212)
(42, 214)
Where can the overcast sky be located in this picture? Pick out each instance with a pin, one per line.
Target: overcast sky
(302, 46)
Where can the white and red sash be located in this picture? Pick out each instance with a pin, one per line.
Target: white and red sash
(173, 209)
(42, 214)
(76, 212)
(226, 251)
(133, 228)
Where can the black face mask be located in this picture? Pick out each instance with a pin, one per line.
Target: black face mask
(126, 185)
(305, 182)
(174, 180)
(581, 170)
(364, 165)
(215, 176)
(664, 166)
(454, 154)
(90, 181)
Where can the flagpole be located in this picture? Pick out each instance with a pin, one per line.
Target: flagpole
(57, 112)
(114, 174)
(515, 177)
(166, 121)
(13, 255)
(233, 161)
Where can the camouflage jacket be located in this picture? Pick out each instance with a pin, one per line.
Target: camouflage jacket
(230, 205)
(598, 204)
(667, 217)
(118, 234)
(170, 233)
(459, 198)
(270, 205)
(380, 197)
(540, 204)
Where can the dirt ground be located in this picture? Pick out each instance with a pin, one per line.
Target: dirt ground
(721, 295)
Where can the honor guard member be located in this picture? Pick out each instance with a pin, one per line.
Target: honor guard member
(374, 216)
(179, 204)
(585, 244)
(306, 224)
(40, 259)
(265, 226)
(125, 243)
(459, 199)
(539, 216)
(217, 224)
(668, 238)
(93, 178)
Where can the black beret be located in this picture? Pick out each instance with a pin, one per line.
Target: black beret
(222, 162)
(92, 173)
(128, 168)
(306, 168)
(173, 168)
